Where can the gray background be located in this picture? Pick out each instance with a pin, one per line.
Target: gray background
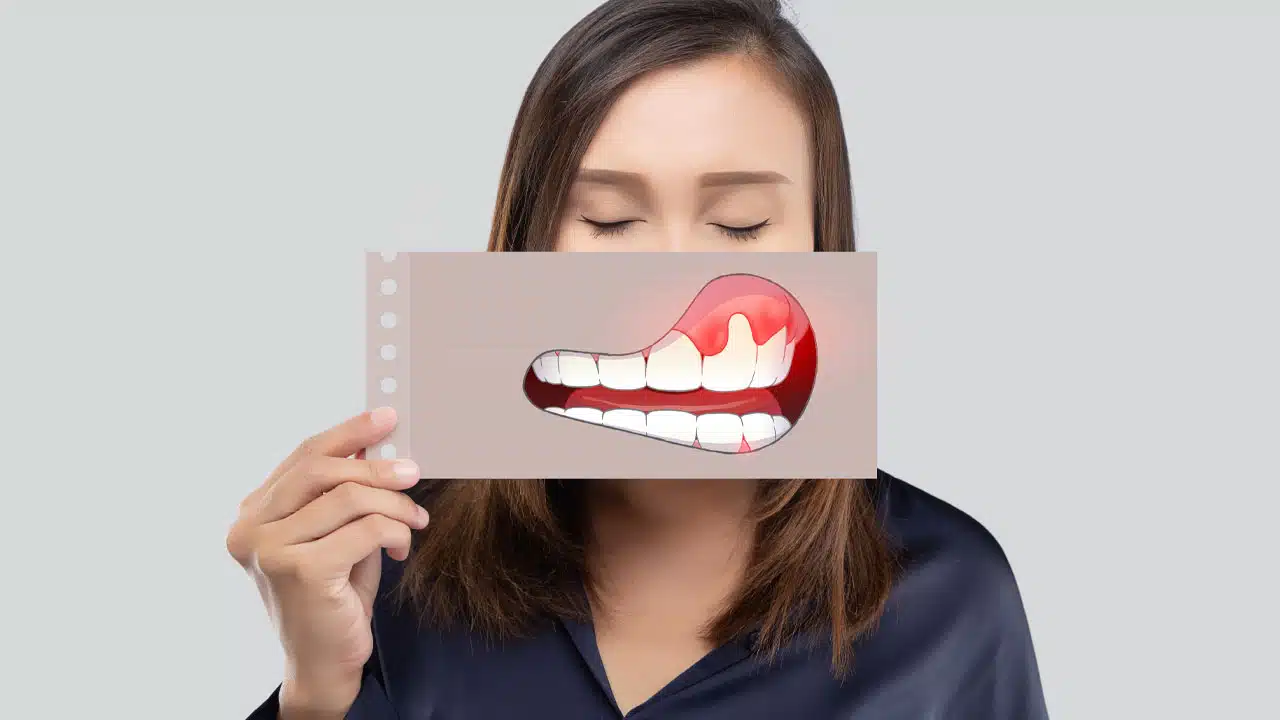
(1076, 221)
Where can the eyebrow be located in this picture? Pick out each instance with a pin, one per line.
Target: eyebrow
(633, 182)
(636, 183)
(742, 177)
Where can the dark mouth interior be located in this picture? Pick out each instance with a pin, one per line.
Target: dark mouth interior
(790, 396)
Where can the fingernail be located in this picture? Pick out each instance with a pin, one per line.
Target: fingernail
(406, 470)
(383, 416)
(424, 515)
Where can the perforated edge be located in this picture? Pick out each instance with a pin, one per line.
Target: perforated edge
(388, 329)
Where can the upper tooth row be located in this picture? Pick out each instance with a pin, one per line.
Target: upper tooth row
(675, 365)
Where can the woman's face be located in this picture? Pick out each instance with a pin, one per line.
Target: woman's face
(711, 156)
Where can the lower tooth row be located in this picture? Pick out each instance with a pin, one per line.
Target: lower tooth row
(722, 432)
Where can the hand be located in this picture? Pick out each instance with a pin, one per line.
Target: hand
(311, 537)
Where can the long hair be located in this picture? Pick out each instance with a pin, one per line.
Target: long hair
(504, 556)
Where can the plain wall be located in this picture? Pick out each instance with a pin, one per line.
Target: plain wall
(1076, 221)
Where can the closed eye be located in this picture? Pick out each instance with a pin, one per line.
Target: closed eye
(602, 229)
(750, 232)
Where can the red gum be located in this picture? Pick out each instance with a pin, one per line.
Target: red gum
(765, 304)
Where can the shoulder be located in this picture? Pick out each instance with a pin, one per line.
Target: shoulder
(407, 649)
(934, 537)
(397, 624)
(956, 613)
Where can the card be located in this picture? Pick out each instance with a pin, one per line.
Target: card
(626, 365)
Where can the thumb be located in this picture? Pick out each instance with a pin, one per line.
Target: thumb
(365, 576)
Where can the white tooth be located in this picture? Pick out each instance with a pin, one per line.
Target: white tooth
(731, 369)
(630, 420)
(592, 415)
(681, 427)
(537, 369)
(757, 430)
(786, 362)
(675, 365)
(769, 361)
(578, 370)
(550, 368)
(557, 411)
(721, 432)
(622, 372)
(780, 426)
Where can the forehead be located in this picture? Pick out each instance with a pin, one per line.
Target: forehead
(724, 113)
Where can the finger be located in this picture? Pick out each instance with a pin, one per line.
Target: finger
(343, 505)
(374, 425)
(315, 476)
(351, 543)
(342, 440)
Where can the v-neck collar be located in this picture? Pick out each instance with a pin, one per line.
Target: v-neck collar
(583, 635)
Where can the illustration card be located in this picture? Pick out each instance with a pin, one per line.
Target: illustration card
(626, 365)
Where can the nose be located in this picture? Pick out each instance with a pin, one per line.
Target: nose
(678, 239)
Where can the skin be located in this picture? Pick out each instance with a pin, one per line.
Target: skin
(668, 554)
(676, 129)
(685, 156)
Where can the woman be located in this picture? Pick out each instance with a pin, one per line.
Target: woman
(652, 125)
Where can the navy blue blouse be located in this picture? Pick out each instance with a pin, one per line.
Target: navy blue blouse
(953, 644)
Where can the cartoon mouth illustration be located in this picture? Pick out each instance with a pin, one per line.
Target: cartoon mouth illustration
(733, 375)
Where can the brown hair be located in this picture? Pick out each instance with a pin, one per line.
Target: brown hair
(502, 556)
